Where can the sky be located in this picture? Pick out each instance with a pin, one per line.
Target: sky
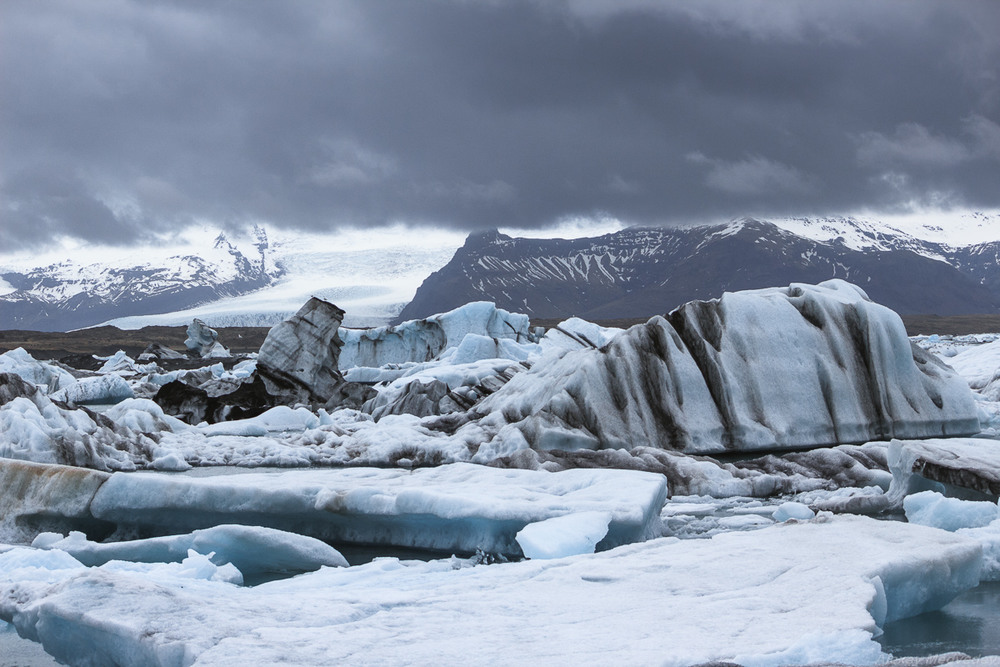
(123, 121)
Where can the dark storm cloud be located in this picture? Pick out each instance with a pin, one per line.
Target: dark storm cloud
(125, 118)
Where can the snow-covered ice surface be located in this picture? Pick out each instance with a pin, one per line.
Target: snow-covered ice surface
(664, 602)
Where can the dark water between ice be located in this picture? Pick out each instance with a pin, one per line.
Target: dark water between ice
(970, 623)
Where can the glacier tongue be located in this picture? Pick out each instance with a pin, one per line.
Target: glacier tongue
(778, 368)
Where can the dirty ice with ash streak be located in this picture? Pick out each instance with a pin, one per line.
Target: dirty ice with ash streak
(105, 565)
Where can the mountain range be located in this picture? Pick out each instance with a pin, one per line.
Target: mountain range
(73, 293)
(639, 272)
(257, 279)
(252, 278)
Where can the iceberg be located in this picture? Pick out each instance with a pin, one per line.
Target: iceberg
(298, 359)
(930, 508)
(109, 388)
(778, 368)
(36, 497)
(967, 463)
(203, 341)
(49, 377)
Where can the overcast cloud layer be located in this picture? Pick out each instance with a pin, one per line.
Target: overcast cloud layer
(122, 119)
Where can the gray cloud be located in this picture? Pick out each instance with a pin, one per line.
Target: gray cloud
(124, 118)
(752, 176)
(912, 144)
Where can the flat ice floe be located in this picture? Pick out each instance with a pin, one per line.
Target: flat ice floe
(790, 594)
(454, 508)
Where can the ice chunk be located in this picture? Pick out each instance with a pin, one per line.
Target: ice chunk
(969, 463)
(49, 377)
(574, 334)
(423, 340)
(277, 419)
(298, 359)
(37, 429)
(561, 536)
(930, 508)
(35, 497)
(989, 537)
(100, 389)
(793, 510)
(458, 507)
(203, 341)
(255, 551)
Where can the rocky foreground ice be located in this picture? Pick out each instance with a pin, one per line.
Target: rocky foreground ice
(140, 532)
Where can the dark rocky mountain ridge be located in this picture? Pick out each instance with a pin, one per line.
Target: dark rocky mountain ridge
(638, 272)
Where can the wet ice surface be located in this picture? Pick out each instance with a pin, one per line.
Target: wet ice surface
(970, 624)
(16, 651)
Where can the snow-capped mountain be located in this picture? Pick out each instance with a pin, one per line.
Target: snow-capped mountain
(255, 278)
(80, 291)
(638, 272)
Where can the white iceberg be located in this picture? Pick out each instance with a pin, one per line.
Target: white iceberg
(561, 536)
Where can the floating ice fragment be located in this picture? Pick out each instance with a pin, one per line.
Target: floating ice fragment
(793, 510)
(930, 508)
(561, 536)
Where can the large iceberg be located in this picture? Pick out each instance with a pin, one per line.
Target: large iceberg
(794, 593)
(779, 368)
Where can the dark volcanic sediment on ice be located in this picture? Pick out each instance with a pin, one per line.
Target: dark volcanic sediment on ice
(781, 368)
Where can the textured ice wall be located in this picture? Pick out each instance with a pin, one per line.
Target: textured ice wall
(36, 497)
(299, 356)
(778, 368)
(423, 340)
